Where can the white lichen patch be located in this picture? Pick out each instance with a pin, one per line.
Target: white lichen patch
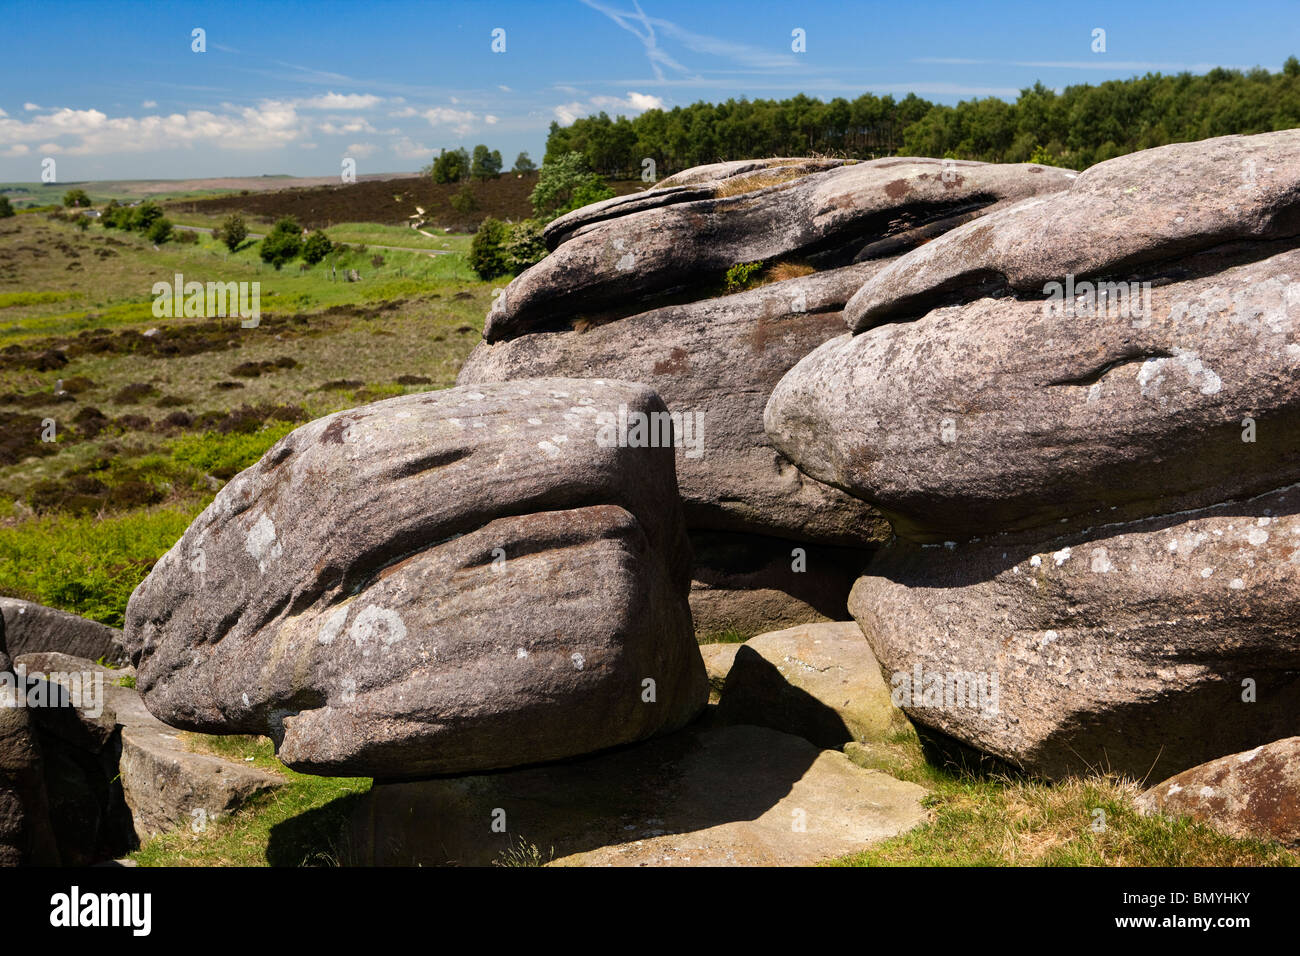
(377, 624)
(261, 543)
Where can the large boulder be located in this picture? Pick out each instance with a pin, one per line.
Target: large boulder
(438, 583)
(735, 796)
(1156, 205)
(1003, 414)
(1140, 648)
(826, 217)
(818, 681)
(714, 362)
(1251, 795)
(30, 628)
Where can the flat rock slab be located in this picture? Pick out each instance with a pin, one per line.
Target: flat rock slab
(735, 796)
(30, 628)
(1251, 795)
(166, 785)
(819, 681)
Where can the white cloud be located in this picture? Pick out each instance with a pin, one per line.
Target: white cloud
(340, 101)
(18, 149)
(503, 88)
(360, 150)
(490, 120)
(149, 105)
(566, 113)
(404, 112)
(639, 102)
(332, 128)
(30, 107)
(460, 121)
(407, 149)
(72, 132)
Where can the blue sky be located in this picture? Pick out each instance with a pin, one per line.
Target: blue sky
(112, 90)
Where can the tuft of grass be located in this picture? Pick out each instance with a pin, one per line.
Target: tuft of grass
(780, 271)
(729, 635)
(296, 825)
(13, 299)
(759, 179)
(1001, 821)
(523, 853)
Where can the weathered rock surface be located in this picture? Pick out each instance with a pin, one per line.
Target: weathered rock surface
(730, 476)
(1141, 648)
(1255, 794)
(826, 217)
(734, 796)
(1000, 415)
(33, 627)
(701, 182)
(25, 833)
(752, 584)
(1155, 205)
(817, 681)
(438, 583)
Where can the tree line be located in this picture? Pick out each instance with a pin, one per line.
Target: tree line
(1077, 127)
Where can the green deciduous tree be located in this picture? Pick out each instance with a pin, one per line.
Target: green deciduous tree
(283, 243)
(566, 183)
(232, 231)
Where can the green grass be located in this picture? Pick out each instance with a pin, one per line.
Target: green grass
(86, 565)
(1000, 821)
(215, 454)
(297, 825)
(9, 300)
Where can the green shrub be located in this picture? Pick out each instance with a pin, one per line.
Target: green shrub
(487, 255)
(566, 184)
(524, 247)
(76, 197)
(160, 231)
(231, 232)
(450, 167)
(463, 201)
(741, 275)
(317, 247)
(283, 244)
(6, 207)
(144, 216)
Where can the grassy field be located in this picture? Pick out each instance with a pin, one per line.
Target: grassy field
(148, 427)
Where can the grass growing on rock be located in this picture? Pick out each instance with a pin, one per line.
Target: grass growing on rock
(997, 820)
(296, 825)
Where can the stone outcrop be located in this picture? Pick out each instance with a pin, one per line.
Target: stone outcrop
(438, 583)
